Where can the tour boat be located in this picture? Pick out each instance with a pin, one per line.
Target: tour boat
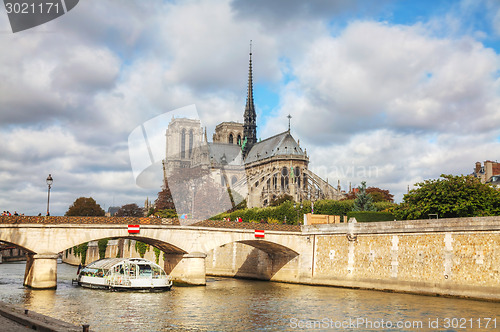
(124, 274)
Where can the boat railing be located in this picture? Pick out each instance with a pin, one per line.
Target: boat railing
(118, 279)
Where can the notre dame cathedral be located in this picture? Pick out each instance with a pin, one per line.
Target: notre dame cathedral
(259, 171)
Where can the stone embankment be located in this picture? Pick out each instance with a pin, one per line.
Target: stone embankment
(15, 319)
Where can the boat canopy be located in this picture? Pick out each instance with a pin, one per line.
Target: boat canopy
(103, 266)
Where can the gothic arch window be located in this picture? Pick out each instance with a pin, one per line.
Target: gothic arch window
(275, 181)
(296, 173)
(239, 140)
(231, 138)
(183, 143)
(191, 143)
(234, 179)
(284, 179)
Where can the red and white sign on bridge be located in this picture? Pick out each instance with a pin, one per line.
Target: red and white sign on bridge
(259, 233)
(134, 229)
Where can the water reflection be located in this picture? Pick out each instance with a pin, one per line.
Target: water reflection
(228, 305)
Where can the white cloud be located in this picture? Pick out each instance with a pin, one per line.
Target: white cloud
(375, 76)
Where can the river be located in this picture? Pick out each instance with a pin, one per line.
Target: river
(243, 305)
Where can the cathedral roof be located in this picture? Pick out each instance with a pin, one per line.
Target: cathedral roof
(223, 153)
(278, 145)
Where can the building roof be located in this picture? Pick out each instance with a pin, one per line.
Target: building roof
(230, 153)
(233, 123)
(281, 144)
(495, 180)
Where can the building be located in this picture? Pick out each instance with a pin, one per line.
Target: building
(259, 172)
(486, 171)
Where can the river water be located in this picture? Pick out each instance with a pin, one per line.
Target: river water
(242, 305)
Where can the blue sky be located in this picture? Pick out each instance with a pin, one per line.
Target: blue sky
(387, 92)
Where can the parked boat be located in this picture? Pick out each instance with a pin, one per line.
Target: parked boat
(124, 274)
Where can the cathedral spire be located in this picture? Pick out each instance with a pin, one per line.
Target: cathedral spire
(250, 117)
(250, 83)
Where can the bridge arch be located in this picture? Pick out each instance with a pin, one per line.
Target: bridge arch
(270, 248)
(186, 247)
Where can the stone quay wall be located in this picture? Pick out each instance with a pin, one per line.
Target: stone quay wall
(447, 257)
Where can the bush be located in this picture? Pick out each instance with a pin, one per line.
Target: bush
(276, 214)
(370, 216)
(166, 213)
(332, 207)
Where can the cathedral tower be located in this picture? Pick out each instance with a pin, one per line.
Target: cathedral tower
(250, 127)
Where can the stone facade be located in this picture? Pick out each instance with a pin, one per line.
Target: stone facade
(487, 170)
(183, 136)
(228, 133)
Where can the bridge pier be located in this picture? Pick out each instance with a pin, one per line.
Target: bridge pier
(41, 271)
(187, 269)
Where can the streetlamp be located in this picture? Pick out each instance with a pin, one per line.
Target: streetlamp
(192, 206)
(49, 183)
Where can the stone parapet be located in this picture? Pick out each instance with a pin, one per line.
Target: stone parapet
(408, 226)
(247, 225)
(87, 220)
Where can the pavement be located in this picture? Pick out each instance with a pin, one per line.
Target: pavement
(16, 319)
(8, 325)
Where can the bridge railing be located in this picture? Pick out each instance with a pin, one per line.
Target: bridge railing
(87, 220)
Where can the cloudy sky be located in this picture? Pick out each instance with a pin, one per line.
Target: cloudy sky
(390, 92)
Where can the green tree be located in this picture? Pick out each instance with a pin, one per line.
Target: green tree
(363, 201)
(84, 206)
(449, 197)
(166, 213)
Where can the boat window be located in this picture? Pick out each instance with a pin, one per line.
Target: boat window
(119, 269)
(144, 270)
(157, 272)
(132, 270)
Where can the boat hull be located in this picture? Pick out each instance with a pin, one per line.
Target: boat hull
(126, 288)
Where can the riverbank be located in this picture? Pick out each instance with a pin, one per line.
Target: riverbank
(13, 318)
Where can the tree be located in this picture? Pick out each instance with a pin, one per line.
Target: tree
(363, 201)
(165, 200)
(84, 206)
(449, 197)
(380, 195)
(130, 210)
(377, 194)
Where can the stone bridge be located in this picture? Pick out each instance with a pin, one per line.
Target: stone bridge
(186, 247)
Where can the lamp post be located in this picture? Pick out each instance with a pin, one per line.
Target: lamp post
(49, 183)
(299, 208)
(192, 206)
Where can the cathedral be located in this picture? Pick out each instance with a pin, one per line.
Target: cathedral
(258, 171)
